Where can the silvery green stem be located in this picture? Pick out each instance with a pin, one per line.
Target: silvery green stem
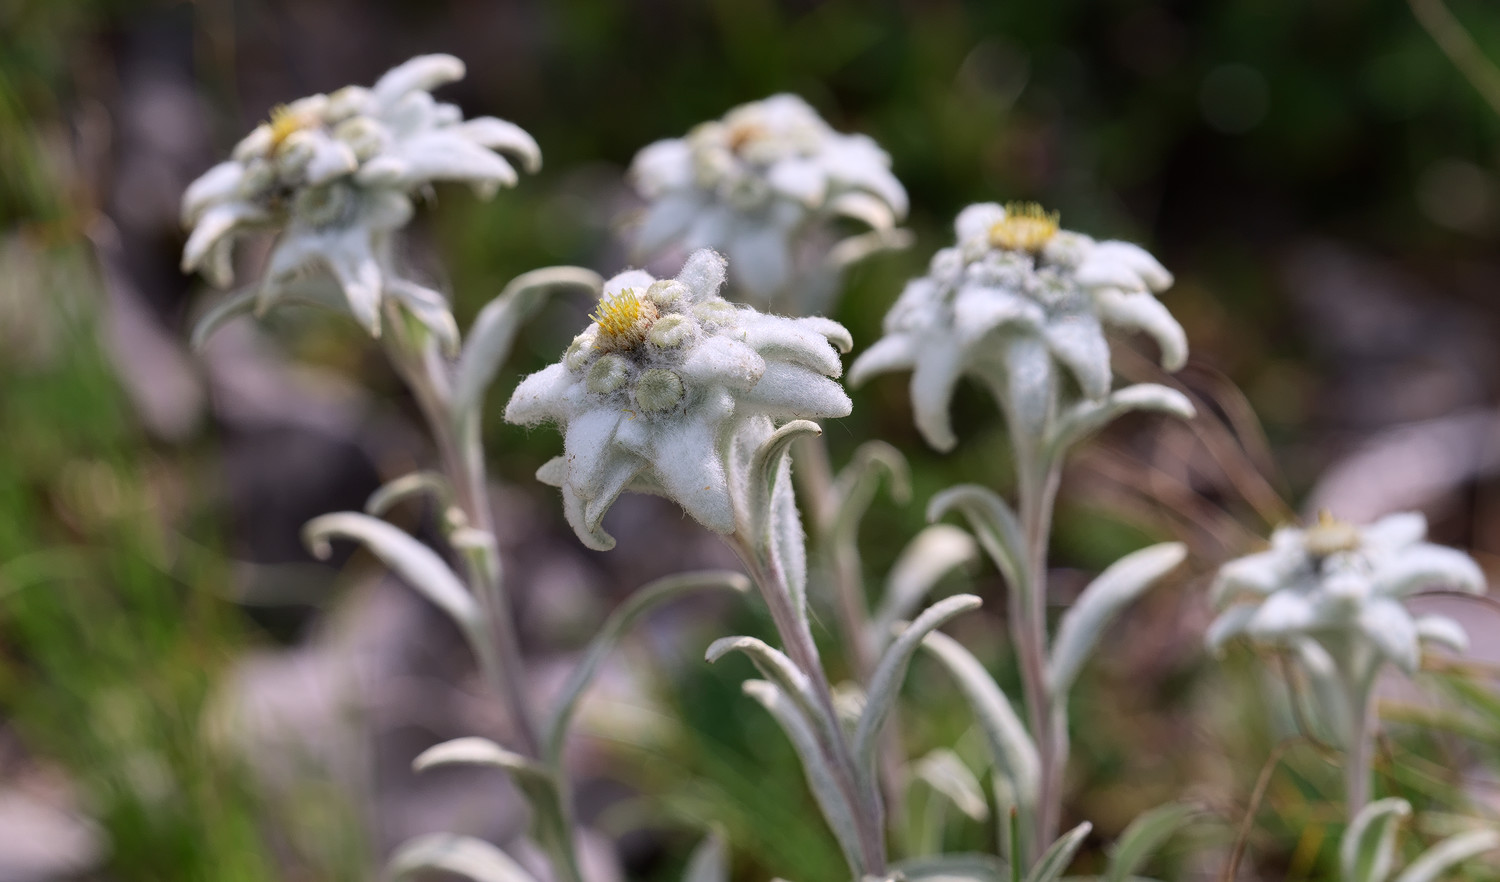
(803, 651)
(840, 554)
(461, 450)
(1047, 714)
(1357, 670)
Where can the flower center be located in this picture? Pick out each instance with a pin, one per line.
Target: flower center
(285, 122)
(623, 321)
(1330, 536)
(1026, 227)
(744, 134)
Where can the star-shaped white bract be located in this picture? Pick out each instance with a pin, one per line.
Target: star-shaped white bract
(755, 184)
(1014, 298)
(333, 174)
(650, 396)
(1336, 583)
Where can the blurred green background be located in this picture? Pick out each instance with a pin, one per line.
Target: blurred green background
(1320, 176)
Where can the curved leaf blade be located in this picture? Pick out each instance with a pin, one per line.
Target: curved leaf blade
(932, 554)
(417, 565)
(1145, 835)
(1100, 602)
(1057, 858)
(709, 862)
(1368, 850)
(614, 628)
(992, 521)
(478, 751)
(1439, 859)
(452, 853)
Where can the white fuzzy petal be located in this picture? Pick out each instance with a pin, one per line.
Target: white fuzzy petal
(1078, 342)
(688, 468)
(636, 280)
(444, 155)
(976, 220)
(782, 338)
(1395, 531)
(712, 228)
(789, 391)
(666, 220)
(425, 72)
(893, 352)
(355, 266)
(216, 223)
(1425, 566)
(1140, 311)
(541, 397)
(1029, 384)
(979, 310)
(331, 159)
(215, 185)
(587, 443)
(619, 470)
(934, 375)
(1258, 574)
(499, 134)
(723, 361)
(1390, 627)
(1284, 613)
(1230, 624)
(1138, 260)
(799, 179)
(759, 261)
(662, 167)
(1444, 632)
(703, 273)
(867, 209)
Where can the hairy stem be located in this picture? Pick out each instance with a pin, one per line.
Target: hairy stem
(1359, 686)
(1046, 713)
(800, 647)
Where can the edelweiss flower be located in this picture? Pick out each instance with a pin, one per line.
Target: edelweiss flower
(651, 395)
(334, 173)
(1337, 582)
(758, 181)
(1013, 296)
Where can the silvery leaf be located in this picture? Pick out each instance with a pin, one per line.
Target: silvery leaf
(959, 867)
(481, 752)
(709, 862)
(857, 482)
(1011, 748)
(945, 773)
(885, 683)
(494, 329)
(430, 308)
(619, 621)
(1144, 836)
(310, 291)
(396, 491)
(777, 668)
(1087, 417)
(1436, 861)
(1327, 684)
(1444, 632)
(991, 519)
(1368, 850)
(1100, 602)
(463, 855)
(820, 778)
(926, 559)
(1061, 853)
(418, 565)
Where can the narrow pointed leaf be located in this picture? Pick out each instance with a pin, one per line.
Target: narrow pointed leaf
(933, 554)
(992, 521)
(963, 866)
(945, 773)
(480, 752)
(1436, 861)
(1100, 602)
(885, 683)
(1089, 416)
(709, 861)
(1368, 850)
(1057, 858)
(494, 329)
(619, 622)
(857, 482)
(820, 777)
(1144, 836)
(1011, 748)
(418, 565)
(463, 855)
(394, 492)
(777, 668)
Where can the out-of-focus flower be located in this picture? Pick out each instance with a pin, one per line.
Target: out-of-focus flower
(755, 185)
(1343, 585)
(649, 397)
(333, 174)
(1016, 296)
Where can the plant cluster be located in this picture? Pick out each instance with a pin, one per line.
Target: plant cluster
(678, 390)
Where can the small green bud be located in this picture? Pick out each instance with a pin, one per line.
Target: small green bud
(671, 331)
(608, 374)
(658, 390)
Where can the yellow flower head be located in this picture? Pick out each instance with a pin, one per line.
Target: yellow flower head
(1330, 536)
(285, 122)
(1026, 227)
(623, 320)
